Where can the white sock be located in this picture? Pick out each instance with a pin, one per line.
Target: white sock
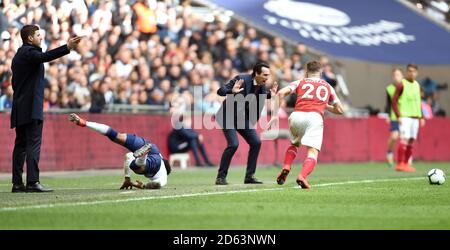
(141, 161)
(127, 171)
(101, 128)
(126, 164)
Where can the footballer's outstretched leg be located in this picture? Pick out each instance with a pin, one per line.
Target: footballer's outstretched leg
(137, 145)
(119, 138)
(144, 157)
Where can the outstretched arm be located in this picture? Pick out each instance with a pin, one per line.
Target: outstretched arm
(41, 57)
(277, 104)
(231, 87)
(334, 105)
(36, 56)
(335, 108)
(127, 183)
(282, 94)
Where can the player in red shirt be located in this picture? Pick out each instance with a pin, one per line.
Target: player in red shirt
(314, 95)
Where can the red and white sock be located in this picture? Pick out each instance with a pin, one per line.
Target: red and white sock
(308, 166)
(289, 157)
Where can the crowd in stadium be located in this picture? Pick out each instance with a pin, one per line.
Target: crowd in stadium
(437, 9)
(141, 52)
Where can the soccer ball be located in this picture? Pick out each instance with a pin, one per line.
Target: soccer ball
(436, 176)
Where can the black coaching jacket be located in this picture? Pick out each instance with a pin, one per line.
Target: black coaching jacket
(245, 109)
(28, 82)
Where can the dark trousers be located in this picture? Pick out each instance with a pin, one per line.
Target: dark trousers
(27, 147)
(253, 141)
(194, 145)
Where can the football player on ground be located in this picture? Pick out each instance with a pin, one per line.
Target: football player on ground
(144, 158)
(314, 95)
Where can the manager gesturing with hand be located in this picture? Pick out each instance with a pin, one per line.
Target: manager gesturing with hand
(27, 108)
(240, 111)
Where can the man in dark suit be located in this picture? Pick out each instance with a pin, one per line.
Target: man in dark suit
(246, 94)
(184, 139)
(27, 108)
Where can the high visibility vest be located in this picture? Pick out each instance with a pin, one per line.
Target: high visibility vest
(390, 89)
(409, 101)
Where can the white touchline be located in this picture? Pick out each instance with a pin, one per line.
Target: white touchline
(81, 203)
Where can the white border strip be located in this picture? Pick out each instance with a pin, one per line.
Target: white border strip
(82, 203)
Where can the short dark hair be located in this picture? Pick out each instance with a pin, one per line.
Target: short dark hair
(257, 68)
(313, 66)
(26, 31)
(412, 65)
(167, 165)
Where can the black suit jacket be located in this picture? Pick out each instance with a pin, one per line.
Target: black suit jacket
(247, 104)
(28, 82)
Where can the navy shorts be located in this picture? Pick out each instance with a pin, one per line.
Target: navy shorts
(394, 126)
(153, 163)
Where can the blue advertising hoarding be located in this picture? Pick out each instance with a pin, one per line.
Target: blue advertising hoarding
(383, 31)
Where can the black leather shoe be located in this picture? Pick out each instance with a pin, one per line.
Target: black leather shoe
(252, 180)
(37, 188)
(210, 164)
(18, 188)
(221, 181)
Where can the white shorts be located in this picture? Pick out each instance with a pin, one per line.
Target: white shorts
(306, 129)
(409, 128)
(161, 175)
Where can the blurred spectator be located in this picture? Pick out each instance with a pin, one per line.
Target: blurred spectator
(141, 52)
(98, 96)
(156, 98)
(183, 138)
(437, 9)
(429, 86)
(430, 95)
(146, 20)
(305, 55)
(211, 102)
(328, 73)
(6, 99)
(427, 112)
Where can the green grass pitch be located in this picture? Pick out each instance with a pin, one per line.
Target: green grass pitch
(343, 196)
